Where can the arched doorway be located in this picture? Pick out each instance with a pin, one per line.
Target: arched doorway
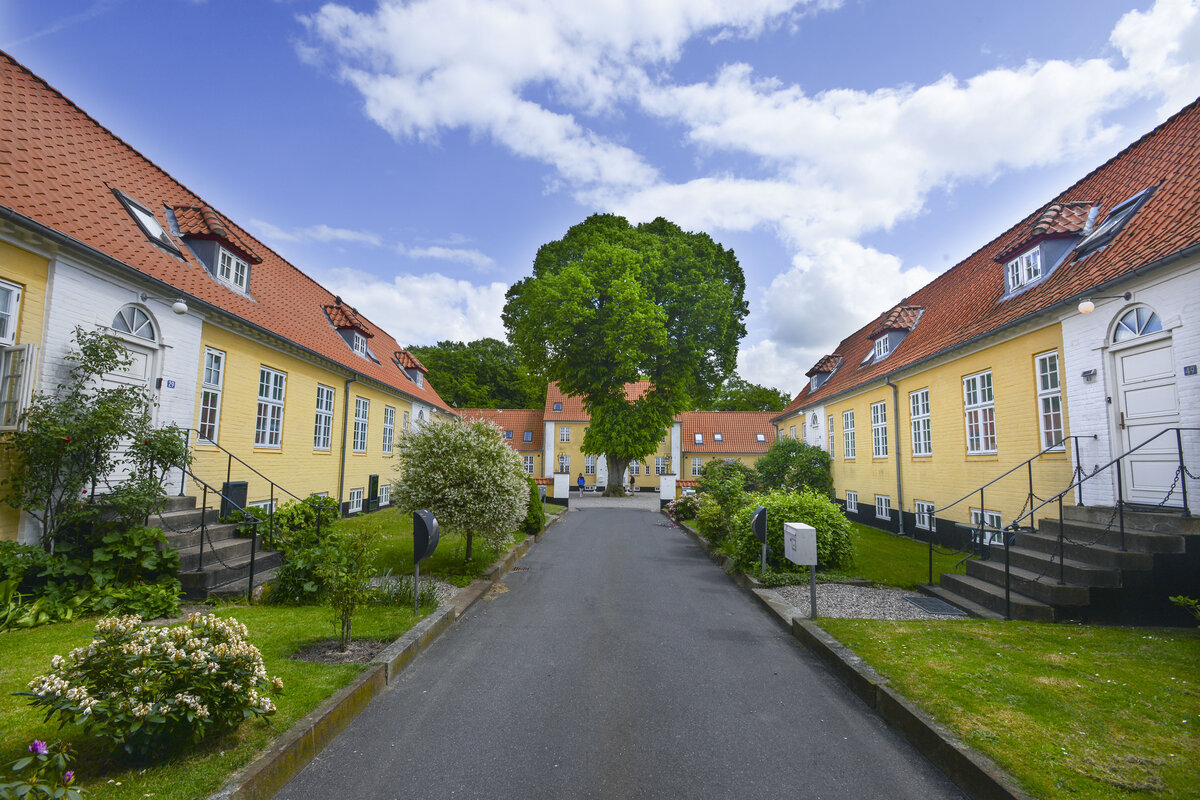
(138, 332)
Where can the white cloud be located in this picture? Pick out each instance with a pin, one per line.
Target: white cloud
(1161, 46)
(423, 309)
(313, 233)
(458, 255)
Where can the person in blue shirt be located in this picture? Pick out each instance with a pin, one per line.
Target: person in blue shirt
(579, 483)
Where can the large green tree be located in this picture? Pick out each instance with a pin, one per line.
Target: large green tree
(611, 303)
(485, 373)
(741, 395)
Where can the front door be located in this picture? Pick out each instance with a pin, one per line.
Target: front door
(1147, 402)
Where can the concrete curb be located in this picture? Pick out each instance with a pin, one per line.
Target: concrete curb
(972, 772)
(291, 752)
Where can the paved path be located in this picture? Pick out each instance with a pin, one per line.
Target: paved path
(620, 663)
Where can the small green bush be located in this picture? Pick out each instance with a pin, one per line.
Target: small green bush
(709, 519)
(346, 572)
(152, 690)
(834, 544)
(535, 517)
(298, 580)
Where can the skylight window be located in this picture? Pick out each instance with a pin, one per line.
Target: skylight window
(149, 224)
(1023, 270)
(1106, 231)
(699, 438)
(529, 436)
(760, 437)
(717, 437)
(231, 270)
(558, 406)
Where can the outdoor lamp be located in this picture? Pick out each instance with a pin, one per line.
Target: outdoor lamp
(179, 306)
(1086, 306)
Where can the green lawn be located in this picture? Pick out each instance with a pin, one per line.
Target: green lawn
(890, 560)
(278, 631)
(1070, 711)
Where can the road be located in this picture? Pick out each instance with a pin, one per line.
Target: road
(619, 663)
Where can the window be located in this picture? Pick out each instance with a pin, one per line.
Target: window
(697, 466)
(831, 437)
(135, 322)
(558, 406)
(980, 410)
(362, 408)
(1113, 223)
(389, 429)
(405, 420)
(882, 348)
(660, 465)
(323, 423)
(16, 383)
(1023, 270)
(718, 437)
(564, 462)
(210, 394)
(922, 436)
(146, 220)
(356, 497)
(10, 305)
(883, 506)
(231, 270)
(385, 495)
(635, 468)
(924, 514)
(879, 448)
(589, 465)
(1050, 401)
(268, 424)
(792, 431)
(564, 433)
(848, 434)
(699, 438)
(992, 525)
(1136, 322)
(418, 377)
(268, 506)
(760, 437)
(359, 343)
(528, 461)
(528, 436)
(852, 502)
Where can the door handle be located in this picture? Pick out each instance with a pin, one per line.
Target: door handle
(1122, 420)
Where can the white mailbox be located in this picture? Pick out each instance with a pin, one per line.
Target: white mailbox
(800, 543)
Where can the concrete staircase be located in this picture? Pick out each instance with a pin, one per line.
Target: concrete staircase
(1095, 580)
(224, 570)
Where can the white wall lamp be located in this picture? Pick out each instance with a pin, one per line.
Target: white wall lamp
(1086, 306)
(178, 306)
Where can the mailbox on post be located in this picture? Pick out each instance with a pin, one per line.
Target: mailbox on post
(758, 524)
(800, 547)
(425, 541)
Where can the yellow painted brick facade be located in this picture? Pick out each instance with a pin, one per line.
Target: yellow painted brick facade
(950, 472)
(28, 271)
(296, 464)
(573, 449)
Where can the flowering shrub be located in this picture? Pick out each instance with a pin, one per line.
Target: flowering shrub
(46, 774)
(151, 689)
(684, 508)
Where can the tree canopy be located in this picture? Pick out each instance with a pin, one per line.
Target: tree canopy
(741, 395)
(485, 373)
(796, 465)
(610, 304)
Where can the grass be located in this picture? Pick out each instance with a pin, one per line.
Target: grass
(890, 560)
(278, 631)
(1069, 711)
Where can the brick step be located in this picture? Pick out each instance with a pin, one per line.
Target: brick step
(1100, 555)
(1044, 588)
(1158, 521)
(1136, 539)
(190, 538)
(199, 585)
(184, 519)
(1072, 570)
(972, 608)
(177, 503)
(991, 597)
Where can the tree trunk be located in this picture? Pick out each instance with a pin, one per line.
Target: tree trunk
(470, 542)
(616, 476)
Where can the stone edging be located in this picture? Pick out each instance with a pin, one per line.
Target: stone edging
(972, 772)
(292, 751)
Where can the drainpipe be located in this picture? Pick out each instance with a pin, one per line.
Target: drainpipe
(345, 422)
(899, 485)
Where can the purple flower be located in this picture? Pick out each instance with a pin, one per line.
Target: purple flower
(68, 776)
(38, 748)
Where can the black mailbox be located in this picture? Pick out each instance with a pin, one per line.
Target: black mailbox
(233, 497)
(425, 535)
(758, 524)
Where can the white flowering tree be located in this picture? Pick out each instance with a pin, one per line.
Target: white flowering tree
(464, 474)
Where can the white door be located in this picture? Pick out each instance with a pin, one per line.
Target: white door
(139, 373)
(1147, 403)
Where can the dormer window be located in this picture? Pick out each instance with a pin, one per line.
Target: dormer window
(231, 270)
(149, 224)
(1024, 269)
(418, 377)
(882, 348)
(359, 343)
(814, 382)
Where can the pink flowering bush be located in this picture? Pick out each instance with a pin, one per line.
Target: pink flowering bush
(153, 689)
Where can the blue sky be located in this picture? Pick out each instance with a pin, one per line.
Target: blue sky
(413, 156)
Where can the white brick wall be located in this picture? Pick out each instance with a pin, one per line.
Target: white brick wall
(814, 435)
(1175, 296)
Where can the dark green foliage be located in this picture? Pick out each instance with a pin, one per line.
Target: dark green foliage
(1188, 604)
(835, 548)
(535, 517)
(741, 395)
(719, 471)
(610, 304)
(710, 521)
(723, 486)
(299, 579)
(485, 373)
(796, 465)
(346, 572)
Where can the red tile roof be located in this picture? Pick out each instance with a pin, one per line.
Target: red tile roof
(409, 361)
(572, 406)
(517, 420)
(204, 223)
(1063, 218)
(965, 302)
(899, 318)
(59, 166)
(344, 316)
(739, 431)
(826, 364)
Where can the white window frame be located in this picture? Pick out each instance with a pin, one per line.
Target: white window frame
(362, 417)
(10, 312)
(231, 270)
(992, 522)
(920, 420)
(883, 506)
(635, 468)
(359, 343)
(212, 381)
(589, 465)
(830, 418)
(323, 418)
(385, 495)
(528, 462)
(564, 433)
(923, 510)
(268, 421)
(564, 462)
(389, 429)
(1023, 270)
(879, 438)
(882, 348)
(792, 431)
(406, 420)
(16, 383)
(697, 467)
(356, 501)
(852, 501)
(660, 465)
(979, 410)
(849, 450)
(1048, 379)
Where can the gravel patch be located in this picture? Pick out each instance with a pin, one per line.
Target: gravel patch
(846, 601)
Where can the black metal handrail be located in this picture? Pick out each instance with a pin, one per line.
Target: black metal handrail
(252, 520)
